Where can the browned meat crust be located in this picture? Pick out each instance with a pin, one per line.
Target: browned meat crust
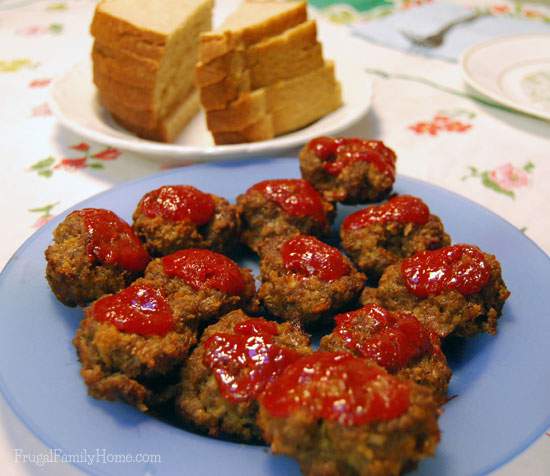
(447, 313)
(430, 370)
(327, 448)
(129, 367)
(304, 299)
(200, 401)
(162, 237)
(72, 277)
(192, 306)
(359, 182)
(377, 246)
(263, 220)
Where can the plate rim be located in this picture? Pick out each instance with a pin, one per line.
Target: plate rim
(188, 154)
(27, 420)
(465, 57)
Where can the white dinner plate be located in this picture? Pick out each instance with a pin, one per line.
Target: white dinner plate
(74, 101)
(514, 71)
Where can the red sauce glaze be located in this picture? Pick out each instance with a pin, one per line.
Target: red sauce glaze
(307, 256)
(205, 269)
(338, 387)
(395, 339)
(400, 209)
(296, 197)
(179, 203)
(112, 241)
(338, 153)
(462, 268)
(139, 309)
(247, 360)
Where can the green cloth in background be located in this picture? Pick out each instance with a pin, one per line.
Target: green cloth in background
(359, 5)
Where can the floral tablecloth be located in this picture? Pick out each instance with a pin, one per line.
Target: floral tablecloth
(499, 159)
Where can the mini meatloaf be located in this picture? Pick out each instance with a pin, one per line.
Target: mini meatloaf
(94, 253)
(396, 341)
(349, 170)
(340, 415)
(131, 347)
(279, 208)
(175, 217)
(306, 280)
(202, 285)
(454, 290)
(380, 235)
(230, 367)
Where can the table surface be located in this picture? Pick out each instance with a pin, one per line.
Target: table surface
(499, 159)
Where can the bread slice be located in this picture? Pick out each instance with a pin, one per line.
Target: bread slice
(246, 110)
(274, 58)
(144, 56)
(260, 130)
(291, 104)
(143, 97)
(283, 56)
(168, 128)
(219, 95)
(253, 21)
(124, 66)
(146, 27)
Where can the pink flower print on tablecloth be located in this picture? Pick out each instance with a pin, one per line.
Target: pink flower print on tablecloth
(500, 9)
(71, 164)
(414, 3)
(443, 122)
(518, 11)
(82, 147)
(39, 83)
(42, 110)
(107, 154)
(509, 177)
(39, 30)
(503, 179)
(85, 160)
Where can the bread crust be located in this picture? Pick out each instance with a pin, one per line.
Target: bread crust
(214, 44)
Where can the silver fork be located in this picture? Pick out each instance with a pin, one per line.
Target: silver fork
(435, 40)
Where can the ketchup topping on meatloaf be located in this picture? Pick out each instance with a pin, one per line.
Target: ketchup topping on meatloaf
(245, 361)
(462, 268)
(112, 241)
(205, 269)
(179, 203)
(138, 309)
(296, 197)
(400, 209)
(307, 256)
(337, 153)
(398, 338)
(338, 387)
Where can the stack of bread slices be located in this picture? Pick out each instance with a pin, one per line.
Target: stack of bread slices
(144, 56)
(262, 73)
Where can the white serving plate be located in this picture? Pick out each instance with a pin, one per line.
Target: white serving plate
(514, 71)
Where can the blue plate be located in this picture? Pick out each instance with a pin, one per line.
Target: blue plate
(502, 383)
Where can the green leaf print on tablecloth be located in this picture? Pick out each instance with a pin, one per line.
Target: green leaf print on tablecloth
(46, 167)
(13, 66)
(504, 178)
(45, 214)
(57, 6)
